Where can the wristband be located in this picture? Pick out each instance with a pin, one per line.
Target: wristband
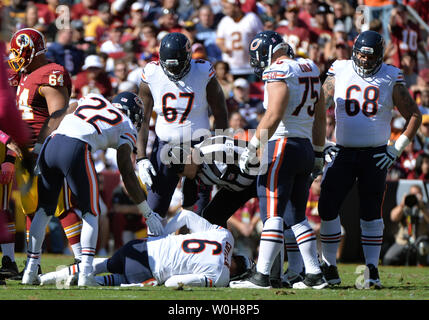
(144, 208)
(401, 143)
(255, 142)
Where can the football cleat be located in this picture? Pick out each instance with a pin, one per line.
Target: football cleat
(86, 280)
(20, 275)
(291, 277)
(256, 281)
(311, 281)
(374, 279)
(330, 273)
(9, 268)
(30, 278)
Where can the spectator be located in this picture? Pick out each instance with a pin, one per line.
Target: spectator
(407, 160)
(412, 217)
(243, 103)
(135, 75)
(308, 14)
(198, 51)
(96, 30)
(424, 101)
(405, 38)
(128, 86)
(246, 227)
(408, 63)
(113, 45)
(224, 77)
(65, 53)
(32, 19)
(269, 15)
(93, 79)
(342, 15)
(206, 33)
(421, 169)
(168, 21)
(148, 36)
(86, 11)
(295, 32)
(136, 20)
(47, 11)
(15, 12)
(339, 38)
(237, 125)
(321, 33)
(78, 38)
(330, 128)
(422, 84)
(234, 33)
(381, 10)
(120, 75)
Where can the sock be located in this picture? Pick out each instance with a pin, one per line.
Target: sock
(8, 250)
(110, 280)
(36, 237)
(72, 225)
(330, 236)
(307, 244)
(372, 239)
(88, 241)
(294, 258)
(270, 245)
(100, 265)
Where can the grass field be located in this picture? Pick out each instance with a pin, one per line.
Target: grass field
(400, 283)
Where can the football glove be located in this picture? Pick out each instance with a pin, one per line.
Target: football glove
(387, 158)
(145, 169)
(330, 151)
(154, 224)
(249, 162)
(7, 172)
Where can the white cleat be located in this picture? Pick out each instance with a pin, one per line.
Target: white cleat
(87, 280)
(30, 278)
(311, 281)
(256, 281)
(48, 278)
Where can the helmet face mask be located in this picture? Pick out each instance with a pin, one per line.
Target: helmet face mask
(262, 48)
(131, 105)
(368, 52)
(175, 55)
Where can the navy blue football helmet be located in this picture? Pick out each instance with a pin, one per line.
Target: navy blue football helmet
(131, 105)
(262, 47)
(370, 44)
(175, 55)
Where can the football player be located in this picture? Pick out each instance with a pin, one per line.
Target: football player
(91, 124)
(295, 124)
(43, 88)
(202, 258)
(180, 90)
(364, 90)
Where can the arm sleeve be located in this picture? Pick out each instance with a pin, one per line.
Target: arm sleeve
(193, 280)
(10, 117)
(194, 222)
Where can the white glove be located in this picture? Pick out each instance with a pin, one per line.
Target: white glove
(249, 162)
(387, 158)
(145, 168)
(330, 151)
(154, 224)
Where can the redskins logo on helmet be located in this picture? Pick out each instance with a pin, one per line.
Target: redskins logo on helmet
(24, 46)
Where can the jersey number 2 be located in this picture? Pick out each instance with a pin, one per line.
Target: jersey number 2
(97, 117)
(199, 245)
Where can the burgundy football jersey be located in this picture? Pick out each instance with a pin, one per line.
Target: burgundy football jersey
(30, 100)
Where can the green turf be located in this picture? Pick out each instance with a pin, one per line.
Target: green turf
(400, 283)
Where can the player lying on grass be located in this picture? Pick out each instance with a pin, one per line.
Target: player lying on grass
(202, 258)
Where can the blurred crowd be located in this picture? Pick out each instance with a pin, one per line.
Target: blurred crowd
(105, 44)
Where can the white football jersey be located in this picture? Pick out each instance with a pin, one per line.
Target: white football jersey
(363, 107)
(205, 253)
(302, 78)
(182, 106)
(237, 37)
(97, 122)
